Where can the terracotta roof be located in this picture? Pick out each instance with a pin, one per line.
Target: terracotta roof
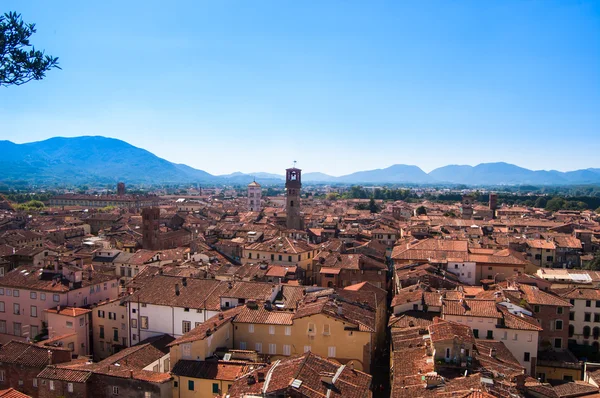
(363, 317)
(582, 294)
(519, 322)
(410, 319)
(207, 328)
(262, 316)
(469, 307)
(302, 376)
(161, 290)
(427, 249)
(409, 294)
(34, 278)
(446, 330)
(213, 370)
(26, 354)
(12, 393)
(65, 374)
(535, 296)
(68, 311)
(281, 244)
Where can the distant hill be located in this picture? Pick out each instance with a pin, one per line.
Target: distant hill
(398, 173)
(86, 159)
(90, 159)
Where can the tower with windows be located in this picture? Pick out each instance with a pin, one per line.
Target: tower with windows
(293, 185)
(254, 196)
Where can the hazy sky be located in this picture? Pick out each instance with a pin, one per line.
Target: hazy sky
(339, 86)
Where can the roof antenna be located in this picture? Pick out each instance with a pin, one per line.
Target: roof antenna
(294, 164)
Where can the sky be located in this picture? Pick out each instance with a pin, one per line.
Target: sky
(338, 86)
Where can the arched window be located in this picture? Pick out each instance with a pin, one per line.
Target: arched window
(586, 332)
(596, 332)
(571, 330)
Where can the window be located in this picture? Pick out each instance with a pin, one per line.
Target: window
(258, 347)
(559, 310)
(147, 394)
(526, 357)
(35, 383)
(587, 317)
(306, 348)
(504, 335)
(550, 258)
(586, 331)
(2, 375)
(571, 316)
(536, 308)
(51, 385)
(251, 328)
(331, 352)
(476, 333)
(1, 291)
(572, 301)
(133, 323)
(242, 345)
(311, 328)
(271, 329)
(287, 349)
(33, 295)
(56, 298)
(43, 296)
(290, 259)
(558, 324)
(115, 334)
(215, 388)
(17, 328)
(515, 337)
(101, 331)
(1, 306)
(186, 350)
(557, 343)
(17, 309)
(34, 331)
(8, 292)
(272, 257)
(70, 387)
(326, 329)
(2, 326)
(596, 317)
(288, 330)
(144, 322)
(588, 303)
(191, 385)
(69, 324)
(272, 349)
(34, 311)
(597, 303)
(115, 390)
(100, 314)
(490, 334)
(15, 293)
(186, 326)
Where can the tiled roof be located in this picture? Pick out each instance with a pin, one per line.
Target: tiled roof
(213, 370)
(519, 322)
(411, 319)
(575, 388)
(468, 307)
(281, 244)
(354, 313)
(428, 249)
(65, 374)
(12, 393)
(262, 316)
(205, 329)
(26, 354)
(33, 278)
(535, 296)
(161, 290)
(409, 294)
(68, 311)
(446, 330)
(140, 355)
(302, 376)
(582, 294)
(350, 261)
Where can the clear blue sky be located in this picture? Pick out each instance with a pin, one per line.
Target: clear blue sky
(339, 86)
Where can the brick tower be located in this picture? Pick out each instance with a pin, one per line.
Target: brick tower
(293, 184)
(150, 228)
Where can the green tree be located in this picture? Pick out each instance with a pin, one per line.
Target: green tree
(20, 62)
(332, 196)
(421, 211)
(541, 202)
(373, 206)
(555, 204)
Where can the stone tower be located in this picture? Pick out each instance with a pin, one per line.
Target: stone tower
(254, 195)
(293, 184)
(150, 228)
(121, 189)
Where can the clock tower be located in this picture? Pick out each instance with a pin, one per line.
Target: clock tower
(293, 184)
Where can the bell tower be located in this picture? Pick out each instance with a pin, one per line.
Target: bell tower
(293, 184)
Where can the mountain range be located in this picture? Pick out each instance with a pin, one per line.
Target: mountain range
(82, 160)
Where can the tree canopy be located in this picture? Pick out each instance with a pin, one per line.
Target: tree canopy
(20, 62)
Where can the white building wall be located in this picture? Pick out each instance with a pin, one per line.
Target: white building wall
(466, 271)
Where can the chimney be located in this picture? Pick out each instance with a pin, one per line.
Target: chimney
(493, 352)
(327, 377)
(177, 289)
(58, 309)
(49, 357)
(131, 374)
(268, 306)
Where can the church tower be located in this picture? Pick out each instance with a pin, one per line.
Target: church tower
(150, 227)
(293, 185)
(254, 196)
